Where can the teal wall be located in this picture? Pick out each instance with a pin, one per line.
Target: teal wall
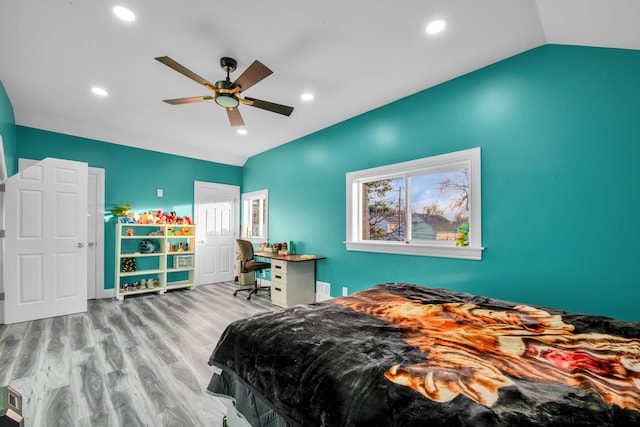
(8, 131)
(560, 143)
(132, 176)
(559, 133)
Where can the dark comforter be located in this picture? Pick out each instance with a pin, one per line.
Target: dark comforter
(405, 355)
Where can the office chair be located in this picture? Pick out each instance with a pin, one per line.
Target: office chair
(247, 265)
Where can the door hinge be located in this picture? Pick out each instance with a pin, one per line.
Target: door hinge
(1, 233)
(2, 186)
(1, 296)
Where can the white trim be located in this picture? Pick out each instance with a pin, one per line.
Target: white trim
(106, 293)
(101, 292)
(464, 159)
(465, 252)
(3, 178)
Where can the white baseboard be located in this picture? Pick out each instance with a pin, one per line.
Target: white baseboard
(106, 293)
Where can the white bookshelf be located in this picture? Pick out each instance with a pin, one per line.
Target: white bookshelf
(158, 270)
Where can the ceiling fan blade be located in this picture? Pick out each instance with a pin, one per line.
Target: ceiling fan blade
(182, 70)
(234, 117)
(252, 75)
(191, 100)
(270, 106)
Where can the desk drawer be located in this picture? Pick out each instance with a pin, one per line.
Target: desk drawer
(279, 294)
(279, 271)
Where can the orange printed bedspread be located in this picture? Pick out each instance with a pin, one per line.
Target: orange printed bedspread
(405, 355)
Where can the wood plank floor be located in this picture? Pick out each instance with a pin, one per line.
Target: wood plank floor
(137, 362)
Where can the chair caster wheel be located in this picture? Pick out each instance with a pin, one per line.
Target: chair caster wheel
(235, 294)
(249, 297)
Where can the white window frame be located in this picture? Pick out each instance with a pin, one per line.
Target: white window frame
(247, 199)
(469, 159)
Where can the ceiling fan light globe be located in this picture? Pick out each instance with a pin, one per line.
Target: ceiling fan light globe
(227, 101)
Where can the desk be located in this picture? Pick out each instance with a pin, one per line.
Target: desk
(293, 278)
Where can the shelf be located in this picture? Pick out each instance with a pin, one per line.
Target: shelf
(158, 289)
(180, 285)
(158, 265)
(141, 272)
(138, 254)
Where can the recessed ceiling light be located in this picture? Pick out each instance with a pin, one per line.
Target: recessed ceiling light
(99, 91)
(436, 26)
(306, 96)
(124, 13)
(242, 131)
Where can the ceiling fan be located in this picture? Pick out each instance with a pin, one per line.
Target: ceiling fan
(227, 93)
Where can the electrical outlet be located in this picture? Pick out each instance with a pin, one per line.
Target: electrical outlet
(345, 291)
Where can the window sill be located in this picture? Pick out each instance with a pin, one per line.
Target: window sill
(402, 248)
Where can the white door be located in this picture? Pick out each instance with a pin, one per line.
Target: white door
(216, 218)
(45, 266)
(95, 228)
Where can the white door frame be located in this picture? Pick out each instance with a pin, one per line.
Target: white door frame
(97, 246)
(3, 178)
(235, 189)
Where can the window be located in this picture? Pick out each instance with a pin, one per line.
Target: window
(428, 207)
(255, 214)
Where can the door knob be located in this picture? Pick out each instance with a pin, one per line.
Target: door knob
(80, 245)
(91, 244)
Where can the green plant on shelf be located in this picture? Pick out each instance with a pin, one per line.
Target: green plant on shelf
(120, 210)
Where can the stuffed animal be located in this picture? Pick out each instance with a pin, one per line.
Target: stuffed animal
(161, 218)
(171, 219)
(129, 219)
(147, 218)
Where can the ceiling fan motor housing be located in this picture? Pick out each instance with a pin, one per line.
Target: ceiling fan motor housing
(225, 85)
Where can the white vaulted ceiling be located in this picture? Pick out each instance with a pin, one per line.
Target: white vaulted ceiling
(353, 55)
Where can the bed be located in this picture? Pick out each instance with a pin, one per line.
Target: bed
(405, 355)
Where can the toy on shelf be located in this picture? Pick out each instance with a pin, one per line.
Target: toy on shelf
(150, 218)
(462, 235)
